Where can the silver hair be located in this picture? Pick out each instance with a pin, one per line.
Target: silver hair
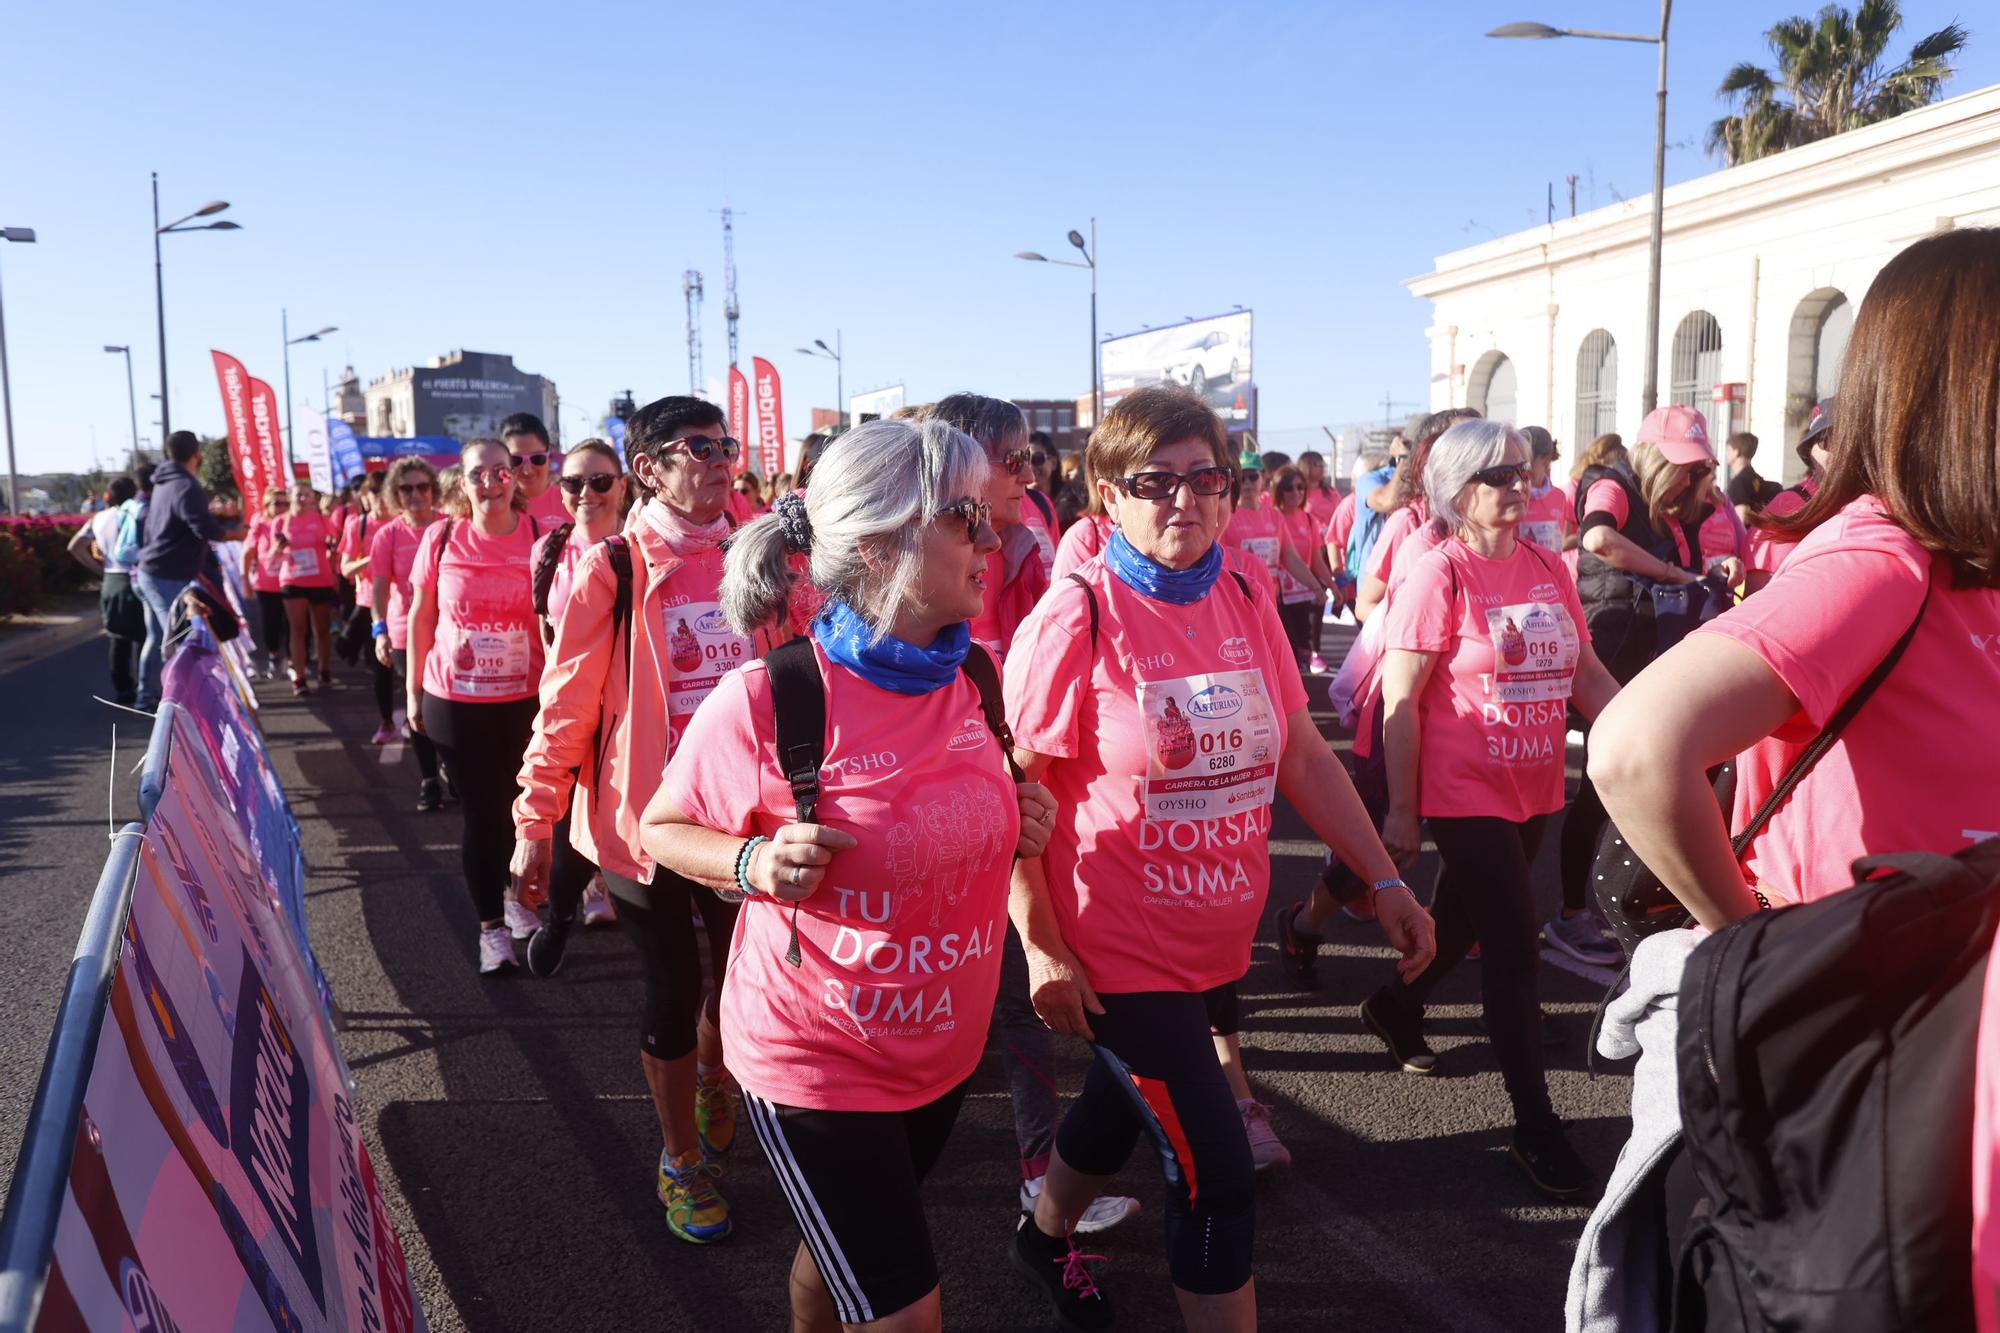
(878, 485)
(994, 422)
(1467, 447)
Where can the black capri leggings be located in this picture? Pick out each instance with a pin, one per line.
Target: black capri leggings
(1299, 619)
(420, 745)
(483, 743)
(385, 686)
(657, 919)
(1156, 1072)
(271, 619)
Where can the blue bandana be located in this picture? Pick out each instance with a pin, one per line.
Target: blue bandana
(892, 664)
(1143, 574)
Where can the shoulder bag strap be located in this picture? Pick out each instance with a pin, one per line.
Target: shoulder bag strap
(798, 702)
(1090, 598)
(985, 676)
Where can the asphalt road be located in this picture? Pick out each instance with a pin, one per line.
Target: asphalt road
(511, 1127)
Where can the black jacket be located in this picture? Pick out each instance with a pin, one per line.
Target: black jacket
(178, 525)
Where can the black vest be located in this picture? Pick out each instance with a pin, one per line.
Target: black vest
(1599, 583)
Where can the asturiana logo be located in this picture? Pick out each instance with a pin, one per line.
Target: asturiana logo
(971, 735)
(1542, 592)
(1236, 650)
(711, 622)
(1217, 701)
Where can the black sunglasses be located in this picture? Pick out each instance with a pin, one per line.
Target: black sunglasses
(1700, 470)
(1040, 459)
(599, 482)
(1163, 485)
(975, 514)
(528, 460)
(1503, 476)
(413, 488)
(701, 448)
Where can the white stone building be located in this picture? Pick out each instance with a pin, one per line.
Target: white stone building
(1763, 266)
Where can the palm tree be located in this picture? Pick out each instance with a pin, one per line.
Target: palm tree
(1829, 79)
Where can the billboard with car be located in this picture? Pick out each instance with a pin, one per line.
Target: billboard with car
(1210, 356)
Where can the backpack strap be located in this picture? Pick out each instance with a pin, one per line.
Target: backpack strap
(1042, 503)
(985, 677)
(544, 577)
(798, 701)
(619, 552)
(1090, 597)
(1243, 584)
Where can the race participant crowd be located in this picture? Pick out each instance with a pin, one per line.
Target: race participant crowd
(949, 736)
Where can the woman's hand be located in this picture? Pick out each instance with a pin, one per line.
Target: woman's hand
(1060, 992)
(1410, 929)
(1731, 571)
(1038, 819)
(413, 706)
(792, 865)
(384, 653)
(1402, 835)
(530, 867)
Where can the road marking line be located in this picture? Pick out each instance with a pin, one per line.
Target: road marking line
(1603, 976)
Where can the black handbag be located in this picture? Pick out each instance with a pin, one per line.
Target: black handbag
(1630, 898)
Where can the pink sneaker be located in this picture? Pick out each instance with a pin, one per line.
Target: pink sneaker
(1318, 665)
(384, 734)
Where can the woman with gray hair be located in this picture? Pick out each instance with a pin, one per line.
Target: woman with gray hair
(1485, 648)
(874, 873)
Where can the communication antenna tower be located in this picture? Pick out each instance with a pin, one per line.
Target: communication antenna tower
(730, 309)
(691, 289)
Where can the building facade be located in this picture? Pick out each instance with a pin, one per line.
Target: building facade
(461, 394)
(1762, 268)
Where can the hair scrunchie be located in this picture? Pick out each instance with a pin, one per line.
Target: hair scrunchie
(791, 511)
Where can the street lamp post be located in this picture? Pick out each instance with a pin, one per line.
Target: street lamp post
(285, 332)
(1089, 252)
(833, 354)
(209, 209)
(131, 397)
(26, 236)
(1649, 396)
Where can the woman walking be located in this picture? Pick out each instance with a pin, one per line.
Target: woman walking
(409, 496)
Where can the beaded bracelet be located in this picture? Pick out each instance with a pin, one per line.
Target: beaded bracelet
(743, 855)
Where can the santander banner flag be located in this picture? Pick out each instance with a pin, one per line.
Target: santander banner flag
(739, 413)
(264, 431)
(770, 419)
(251, 477)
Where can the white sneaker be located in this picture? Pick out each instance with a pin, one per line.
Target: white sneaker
(496, 950)
(1106, 1212)
(1265, 1149)
(598, 909)
(521, 919)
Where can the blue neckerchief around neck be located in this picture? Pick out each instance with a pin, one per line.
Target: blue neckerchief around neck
(1145, 575)
(891, 664)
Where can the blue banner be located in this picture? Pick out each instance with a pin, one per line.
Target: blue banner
(344, 451)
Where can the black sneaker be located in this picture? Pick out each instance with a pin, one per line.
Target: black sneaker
(1059, 1269)
(1404, 1036)
(430, 794)
(1298, 950)
(546, 945)
(1552, 1165)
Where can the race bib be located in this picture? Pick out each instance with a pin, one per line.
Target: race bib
(701, 650)
(302, 561)
(1546, 533)
(1046, 545)
(1211, 745)
(1534, 652)
(491, 662)
(1264, 548)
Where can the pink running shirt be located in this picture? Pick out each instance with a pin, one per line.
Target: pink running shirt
(1045, 542)
(901, 943)
(1339, 529)
(1166, 733)
(565, 570)
(1300, 533)
(307, 557)
(355, 535)
(1767, 552)
(263, 541)
(1083, 541)
(1260, 532)
(547, 508)
(1547, 519)
(1322, 505)
(1915, 770)
(392, 554)
(1508, 635)
(488, 647)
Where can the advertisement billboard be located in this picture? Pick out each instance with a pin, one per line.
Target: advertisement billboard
(874, 404)
(1210, 356)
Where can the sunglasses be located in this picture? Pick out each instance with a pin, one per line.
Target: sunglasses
(1013, 461)
(413, 488)
(531, 460)
(1504, 476)
(1252, 474)
(1700, 470)
(701, 448)
(1291, 486)
(1164, 485)
(600, 483)
(1040, 459)
(489, 476)
(975, 514)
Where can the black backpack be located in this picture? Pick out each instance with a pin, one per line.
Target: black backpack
(798, 699)
(1826, 1061)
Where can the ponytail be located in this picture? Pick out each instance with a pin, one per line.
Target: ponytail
(756, 575)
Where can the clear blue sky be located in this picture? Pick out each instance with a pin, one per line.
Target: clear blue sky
(533, 179)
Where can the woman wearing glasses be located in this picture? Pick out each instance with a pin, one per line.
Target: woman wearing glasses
(867, 956)
(1017, 574)
(474, 659)
(1303, 578)
(262, 564)
(409, 495)
(1486, 648)
(1157, 696)
(632, 657)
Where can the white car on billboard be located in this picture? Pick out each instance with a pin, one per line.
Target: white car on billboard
(1207, 358)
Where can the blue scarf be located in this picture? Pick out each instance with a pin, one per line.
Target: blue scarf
(1143, 574)
(892, 664)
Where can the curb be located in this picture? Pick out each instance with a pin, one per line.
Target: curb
(38, 644)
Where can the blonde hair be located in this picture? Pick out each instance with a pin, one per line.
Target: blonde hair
(1657, 478)
(461, 497)
(392, 493)
(1604, 451)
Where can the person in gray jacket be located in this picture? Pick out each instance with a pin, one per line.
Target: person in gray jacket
(178, 531)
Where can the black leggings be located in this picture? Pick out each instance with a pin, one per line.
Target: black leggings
(1298, 618)
(483, 743)
(385, 686)
(658, 919)
(1156, 1072)
(420, 744)
(569, 871)
(1485, 892)
(271, 617)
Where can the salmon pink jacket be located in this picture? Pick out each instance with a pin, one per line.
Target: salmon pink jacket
(602, 737)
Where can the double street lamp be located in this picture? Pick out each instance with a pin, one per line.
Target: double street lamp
(285, 332)
(24, 236)
(1649, 396)
(825, 353)
(131, 397)
(1089, 261)
(159, 282)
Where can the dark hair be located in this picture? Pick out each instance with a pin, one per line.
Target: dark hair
(1040, 437)
(1919, 425)
(1148, 419)
(143, 475)
(121, 490)
(655, 425)
(1409, 482)
(524, 423)
(372, 483)
(1744, 444)
(183, 445)
(1273, 459)
(601, 448)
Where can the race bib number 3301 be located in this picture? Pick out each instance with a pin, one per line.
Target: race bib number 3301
(1211, 745)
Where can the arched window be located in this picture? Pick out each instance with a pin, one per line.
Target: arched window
(1697, 365)
(1820, 327)
(1492, 387)
(1596, 386)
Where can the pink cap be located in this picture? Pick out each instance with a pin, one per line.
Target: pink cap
(1680, 432)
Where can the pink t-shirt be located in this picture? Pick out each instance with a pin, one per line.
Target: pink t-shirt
(1915, 770)
(1045, 542)
(1322, 505)
(1413, 541)
(1508, 635)
(488, 647)
(354, 538)
(565, 570)
(1340, 528)
(1547, 519)
(1723, 534)
(547, 508)
(1260, 532)
(392, 554)
(1301, 534)
(307, 558)
(1396, 529)
(1767, 552)
(1083, 541)
(901, 943)
(1167, 734)
(263, 542)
